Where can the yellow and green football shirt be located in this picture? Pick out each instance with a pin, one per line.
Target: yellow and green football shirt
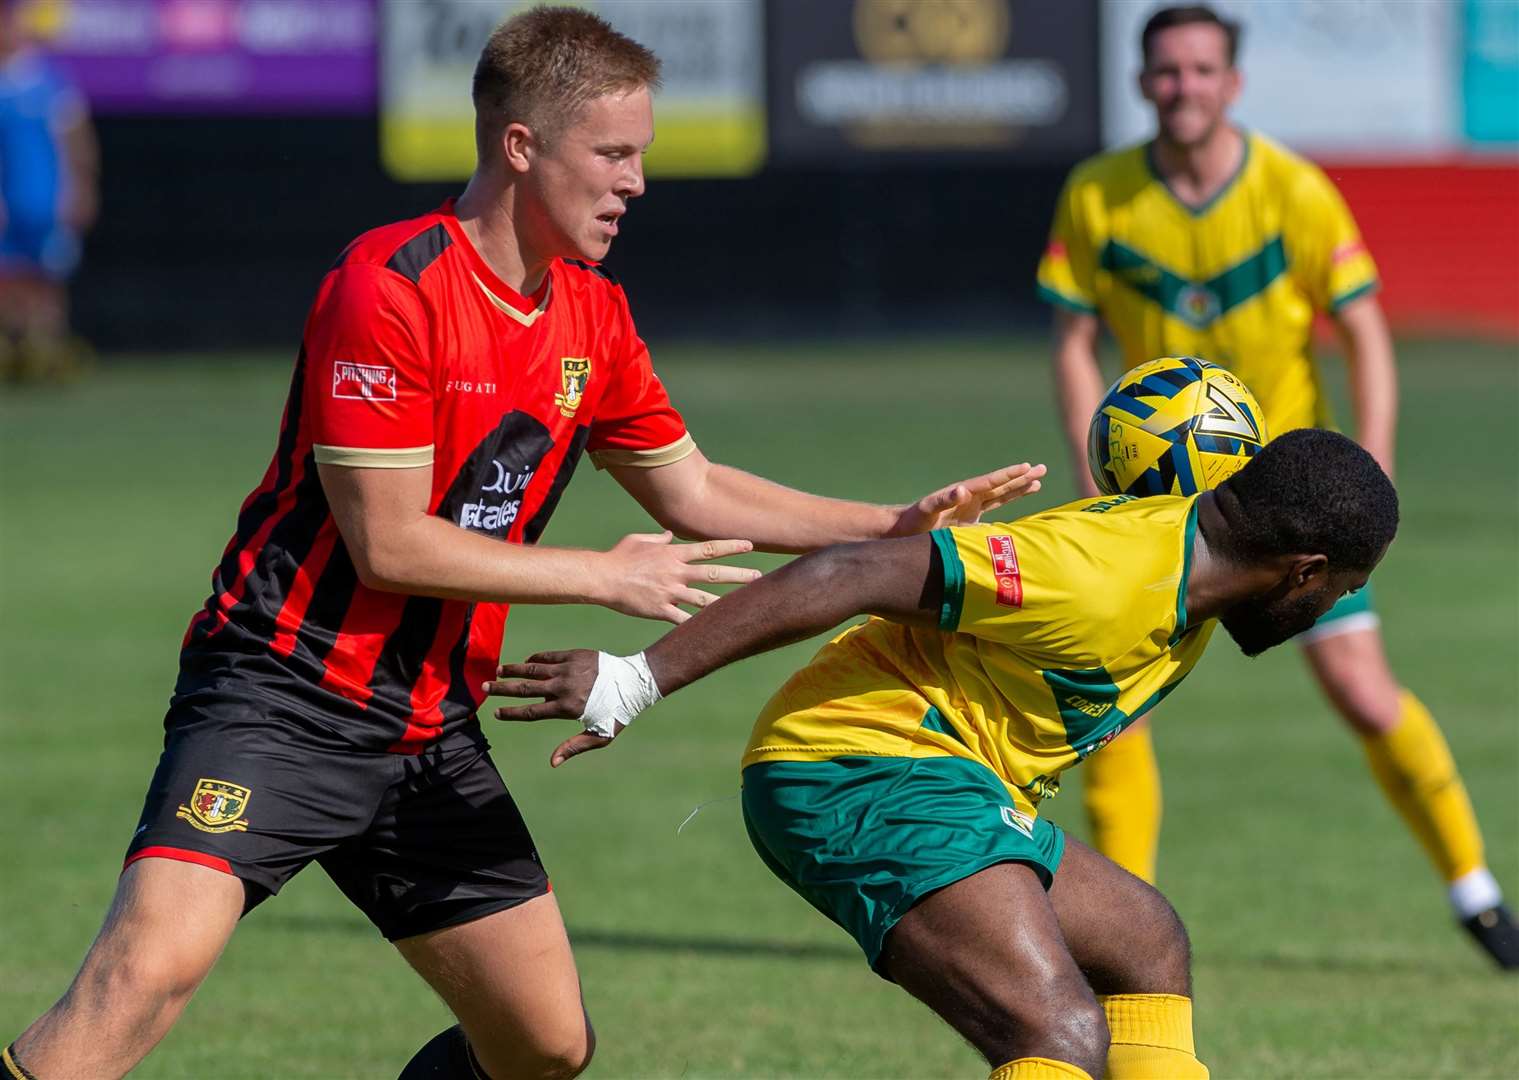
(1236, 281)
(1057, 631)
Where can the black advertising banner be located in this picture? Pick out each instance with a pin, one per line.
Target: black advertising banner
(863, 82)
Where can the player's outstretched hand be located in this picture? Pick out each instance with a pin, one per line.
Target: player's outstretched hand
(964, 503)
(650, 577)
(564, 681)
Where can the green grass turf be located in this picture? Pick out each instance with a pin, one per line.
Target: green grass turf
(1323, 945)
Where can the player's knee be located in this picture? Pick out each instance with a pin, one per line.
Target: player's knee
(1064, 1022)
(1073, 1028)
(554, 1052)
(1368, 710)
(1162, 962)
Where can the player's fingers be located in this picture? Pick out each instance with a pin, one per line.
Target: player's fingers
(665, 537)
(576, 744)
(548, 657)
(998, 477)
(527, 670)
(1009, 494)
(1011, 490)
(714, 549)
(671, 613)
(695, 598)
(514, 688)
(715, 574)
(538, 710)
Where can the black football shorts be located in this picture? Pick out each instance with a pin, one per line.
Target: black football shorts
(419, 842)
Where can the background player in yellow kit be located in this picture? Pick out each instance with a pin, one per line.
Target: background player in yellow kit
(894, 782)
(1218, 243)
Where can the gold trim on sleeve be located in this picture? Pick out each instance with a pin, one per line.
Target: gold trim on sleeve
(682, 447)
(359, 457)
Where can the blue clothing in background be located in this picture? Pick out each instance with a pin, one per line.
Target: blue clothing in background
(37, 105)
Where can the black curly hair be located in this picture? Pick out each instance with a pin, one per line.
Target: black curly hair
(1309, 491)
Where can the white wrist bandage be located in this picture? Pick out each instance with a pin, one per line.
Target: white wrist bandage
(624, 687)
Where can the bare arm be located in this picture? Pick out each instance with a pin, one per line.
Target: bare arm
(1373, 377)
(897, 579)
(397, 546)
(1078, 386)
(81, 152)
(695, 497)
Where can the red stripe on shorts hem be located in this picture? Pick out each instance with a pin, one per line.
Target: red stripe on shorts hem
(182, 855)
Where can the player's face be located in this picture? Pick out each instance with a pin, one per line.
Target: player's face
(584, 180)
(1266, 621)
(1190, 82)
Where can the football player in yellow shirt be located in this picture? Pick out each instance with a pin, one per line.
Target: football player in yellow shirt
(895, 781)
(1214, 242)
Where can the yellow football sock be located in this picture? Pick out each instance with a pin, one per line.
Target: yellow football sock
(1039, 1069)
(1151, 1038)
(1412, 763)
(1122, 790)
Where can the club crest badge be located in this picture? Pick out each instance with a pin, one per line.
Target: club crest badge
(217, 806)
(1198, 305)
(574, 373)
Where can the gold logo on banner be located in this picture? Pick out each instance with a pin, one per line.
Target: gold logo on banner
(932, 31)
(215, 807)
(574, 373)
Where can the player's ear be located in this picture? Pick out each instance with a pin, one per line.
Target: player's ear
(519, 146)
(1306, 572)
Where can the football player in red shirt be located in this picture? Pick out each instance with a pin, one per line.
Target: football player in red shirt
(453, 369)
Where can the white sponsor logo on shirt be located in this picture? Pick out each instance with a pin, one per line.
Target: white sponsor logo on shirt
(363, 382)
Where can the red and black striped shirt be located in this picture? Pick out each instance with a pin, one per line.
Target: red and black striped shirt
(415, 352)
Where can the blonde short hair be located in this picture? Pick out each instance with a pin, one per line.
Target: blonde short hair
(542, 67)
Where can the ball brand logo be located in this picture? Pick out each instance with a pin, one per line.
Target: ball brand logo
(1005, 567)
(1227, 417)
(363, 382)
(491, 515)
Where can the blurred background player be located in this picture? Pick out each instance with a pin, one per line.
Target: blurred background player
(1219, 243)
(48, 197)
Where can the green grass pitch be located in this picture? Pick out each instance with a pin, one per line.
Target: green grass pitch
(1322, 940)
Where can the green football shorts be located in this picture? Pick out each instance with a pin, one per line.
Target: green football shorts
(863, 839)
(1353, 611)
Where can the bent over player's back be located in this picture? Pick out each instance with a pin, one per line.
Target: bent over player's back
(1055, 632)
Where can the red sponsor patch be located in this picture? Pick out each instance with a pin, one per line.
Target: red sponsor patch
(1005, 566)
(1056, 249)
(363, 382)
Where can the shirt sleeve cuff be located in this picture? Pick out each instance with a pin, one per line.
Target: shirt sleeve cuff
(954, 579)
(1354, 294)
(359, 457)
(669, 454)
(1060, 299)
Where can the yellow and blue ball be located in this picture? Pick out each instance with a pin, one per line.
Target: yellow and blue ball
(1173, 426)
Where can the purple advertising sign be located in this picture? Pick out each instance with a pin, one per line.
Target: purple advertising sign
(195, 56)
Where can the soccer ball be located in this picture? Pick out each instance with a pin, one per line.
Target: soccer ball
(1173, 426)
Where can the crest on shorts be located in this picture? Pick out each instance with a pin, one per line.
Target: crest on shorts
(1014, 818)
(216, 806)
(574, 373)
